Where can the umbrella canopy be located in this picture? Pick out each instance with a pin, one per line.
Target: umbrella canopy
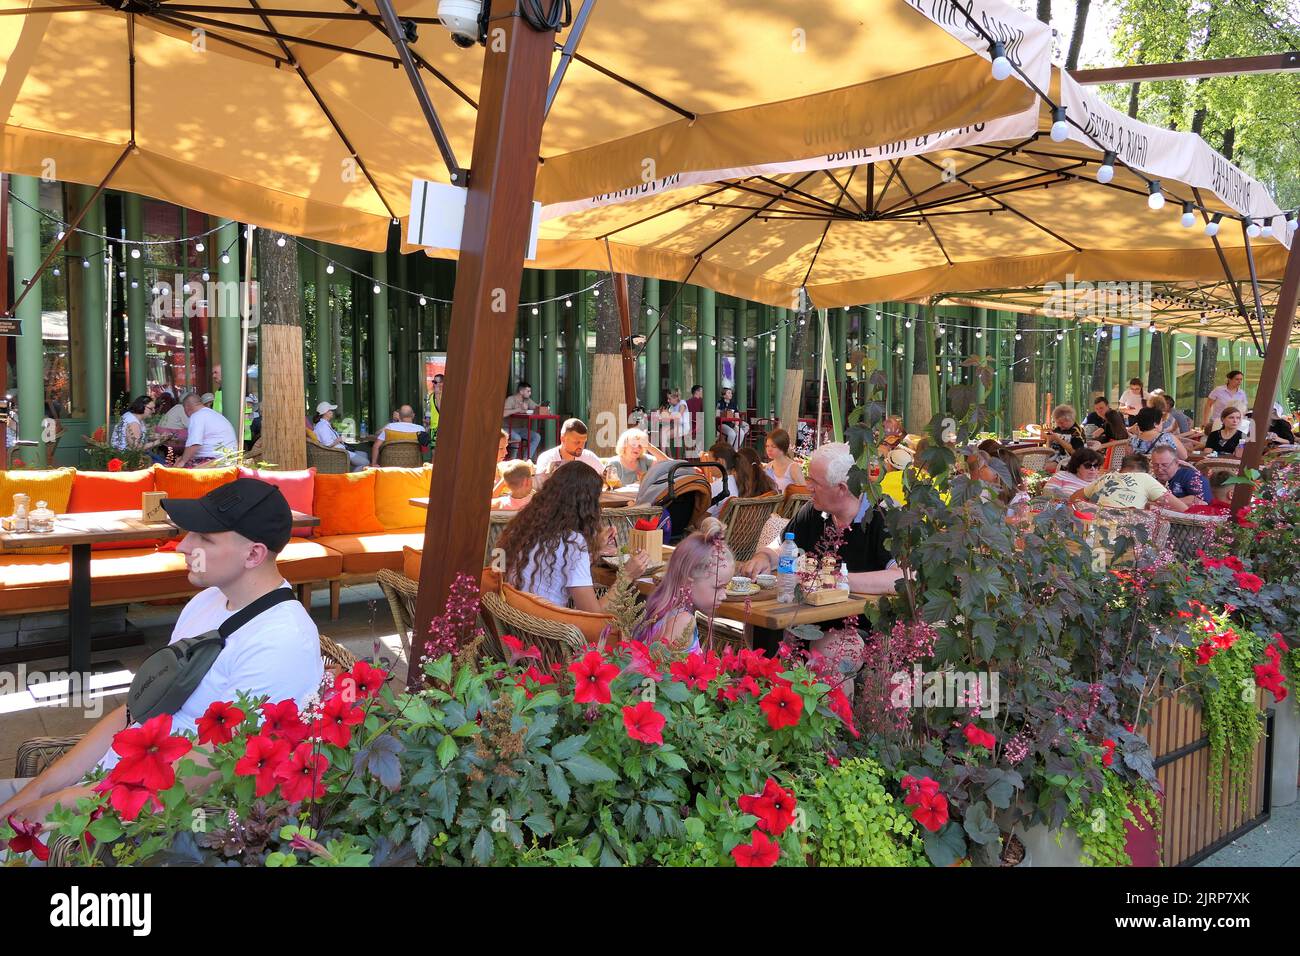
(976, 210)
(293, 115)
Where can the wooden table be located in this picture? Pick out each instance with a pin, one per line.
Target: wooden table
(617, 499)
(79, 532)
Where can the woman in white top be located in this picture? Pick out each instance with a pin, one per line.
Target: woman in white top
(329, 438)
(549, 544)
(1133, 400)
(782, 469)
(132, 431)
(1231, 394)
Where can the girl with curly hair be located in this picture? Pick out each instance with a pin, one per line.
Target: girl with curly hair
(551, 541)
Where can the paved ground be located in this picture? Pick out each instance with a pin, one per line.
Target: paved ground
(364, 618)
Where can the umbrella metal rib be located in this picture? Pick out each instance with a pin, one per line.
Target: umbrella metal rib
(929, 225)
(820, 242)
(1227, 270)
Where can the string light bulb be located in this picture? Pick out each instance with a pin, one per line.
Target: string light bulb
(1060, 128)
(199, 246)
(1212, 227)
(85, 263)
(1019, 336)
(423, 301)
(206, 276)
(1106, 171)
(1001, 65)
(1188, 218)
(1252, 229)
(280, 241)
(225, 258)
(595, 293)
(534, 310)
(375, 290)
(568, 303)
(329, 269)
(1155, 198)
(55, 270)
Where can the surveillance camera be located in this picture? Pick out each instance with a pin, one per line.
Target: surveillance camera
(461, 18)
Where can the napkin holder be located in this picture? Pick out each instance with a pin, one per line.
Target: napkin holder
(651, 542)
(151, 508)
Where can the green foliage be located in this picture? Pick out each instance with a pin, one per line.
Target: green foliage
(861, 823)
(1101, 826)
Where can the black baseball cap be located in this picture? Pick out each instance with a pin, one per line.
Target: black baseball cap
(256, 509)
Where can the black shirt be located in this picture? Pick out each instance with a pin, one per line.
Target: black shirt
(863, 547)
(1074, 433)
(1224, 446)
(1095, 419)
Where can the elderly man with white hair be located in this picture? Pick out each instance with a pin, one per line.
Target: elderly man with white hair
(835, 509)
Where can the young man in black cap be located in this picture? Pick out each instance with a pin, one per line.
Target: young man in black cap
(234, 534)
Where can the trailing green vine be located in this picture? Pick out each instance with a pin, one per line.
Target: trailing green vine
(1100, 826)
(859, 821)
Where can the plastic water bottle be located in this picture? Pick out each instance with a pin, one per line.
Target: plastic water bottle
(786, 570)
(842, 578)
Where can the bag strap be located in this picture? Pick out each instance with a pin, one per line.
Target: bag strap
(252, 610)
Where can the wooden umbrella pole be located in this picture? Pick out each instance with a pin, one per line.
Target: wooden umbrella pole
(245, 308)
(1274, 356)
(821, 376)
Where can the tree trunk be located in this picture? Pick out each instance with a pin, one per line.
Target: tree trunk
(1133, 100)
(284, 440)
(1229, 142)
(920, 408)
(1045, 11)
(1076, 38)
(1024, 400)
(1099, 363)
(1156, 367)
(1209, 359)
(607, 416)
(792, 393)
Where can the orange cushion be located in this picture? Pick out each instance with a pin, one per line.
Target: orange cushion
(592, 624)
(191, 482)
(304, 560)
(111, 491)
(54, 487)
(345, 504)
(367, 553)
(298, 488)
(394, 489)
(411, 561)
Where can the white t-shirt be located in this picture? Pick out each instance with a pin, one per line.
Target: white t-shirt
(1131, 403)
(1222, 397)
(325, 433)
(715, 486)
(212, 433)
(396, 427)
(552, 457)
(552, 576)
(276, 655)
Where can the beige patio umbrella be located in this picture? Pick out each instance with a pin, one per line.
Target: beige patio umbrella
(975, 211)
(294, 114)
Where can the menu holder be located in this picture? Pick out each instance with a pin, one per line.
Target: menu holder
(151, 508)
(825, 596)
(651, 542)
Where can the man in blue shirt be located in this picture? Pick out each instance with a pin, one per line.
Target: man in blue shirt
(1184, 482)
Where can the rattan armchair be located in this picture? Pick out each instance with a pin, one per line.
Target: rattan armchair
(327, 461)
(1185, 534)
(795, 498)
(1034, 459)
(400, 454)
(1208, 466)
(559, 643)
(744, 519)
(401, 592)
(497, 521)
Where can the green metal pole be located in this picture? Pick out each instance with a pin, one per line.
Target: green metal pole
(909, 355)
(380, 371)
(94, 347)
(887, 357)
(981, 318)
(932, 359)
(653, 386)
(137, 344)
(763, 363)
(550, 346)
(678, 357)
(742, 356)
(782, 350)
(707, 371)
(995, 349)
(30, 349)
(833, 390)
(1122, 385)
(533, 342)
(1108, 377)
(1009, 373)
(229, 325)
(1144, 356)
(326, 353)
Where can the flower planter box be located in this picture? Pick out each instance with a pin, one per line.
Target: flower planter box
(1042, 848)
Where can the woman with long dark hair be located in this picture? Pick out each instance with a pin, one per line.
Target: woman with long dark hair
(550, 544)
(751, 480)
(132, 431)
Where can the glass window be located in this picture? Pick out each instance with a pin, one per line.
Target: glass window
(177, 327)
(62, 348)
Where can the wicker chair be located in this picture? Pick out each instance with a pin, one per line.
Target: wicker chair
(559, 643)
(401, 592)
(718, 636)
(1186, 534)
(744, 519)
(327, 461)
(400, 454)
(795, 497)
(1209, 466)
(497, 522)
(1034, 459)
(1114, 452)
(623, 519)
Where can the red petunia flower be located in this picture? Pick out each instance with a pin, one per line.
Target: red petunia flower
(532, 679)
(774, 807)
(839, 705)
(515, 650)
(1225, 640)
(931, 811)
(361, 682)
(696, 671)
(782, 707)
(282, 720)
(114, 464)
(1241, 516)
(338, 717)
(26, 839)
(218, 723)
(262, 758)
(1248, 582)
(148, 753)
(979, 738)
(1108, 757)
(1269, 677)
(642, 663)
(759, 852)
(1233, 563)
(644, 723)
(300, 776)
(1205, 653)
(128, 799)
(593, 674)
